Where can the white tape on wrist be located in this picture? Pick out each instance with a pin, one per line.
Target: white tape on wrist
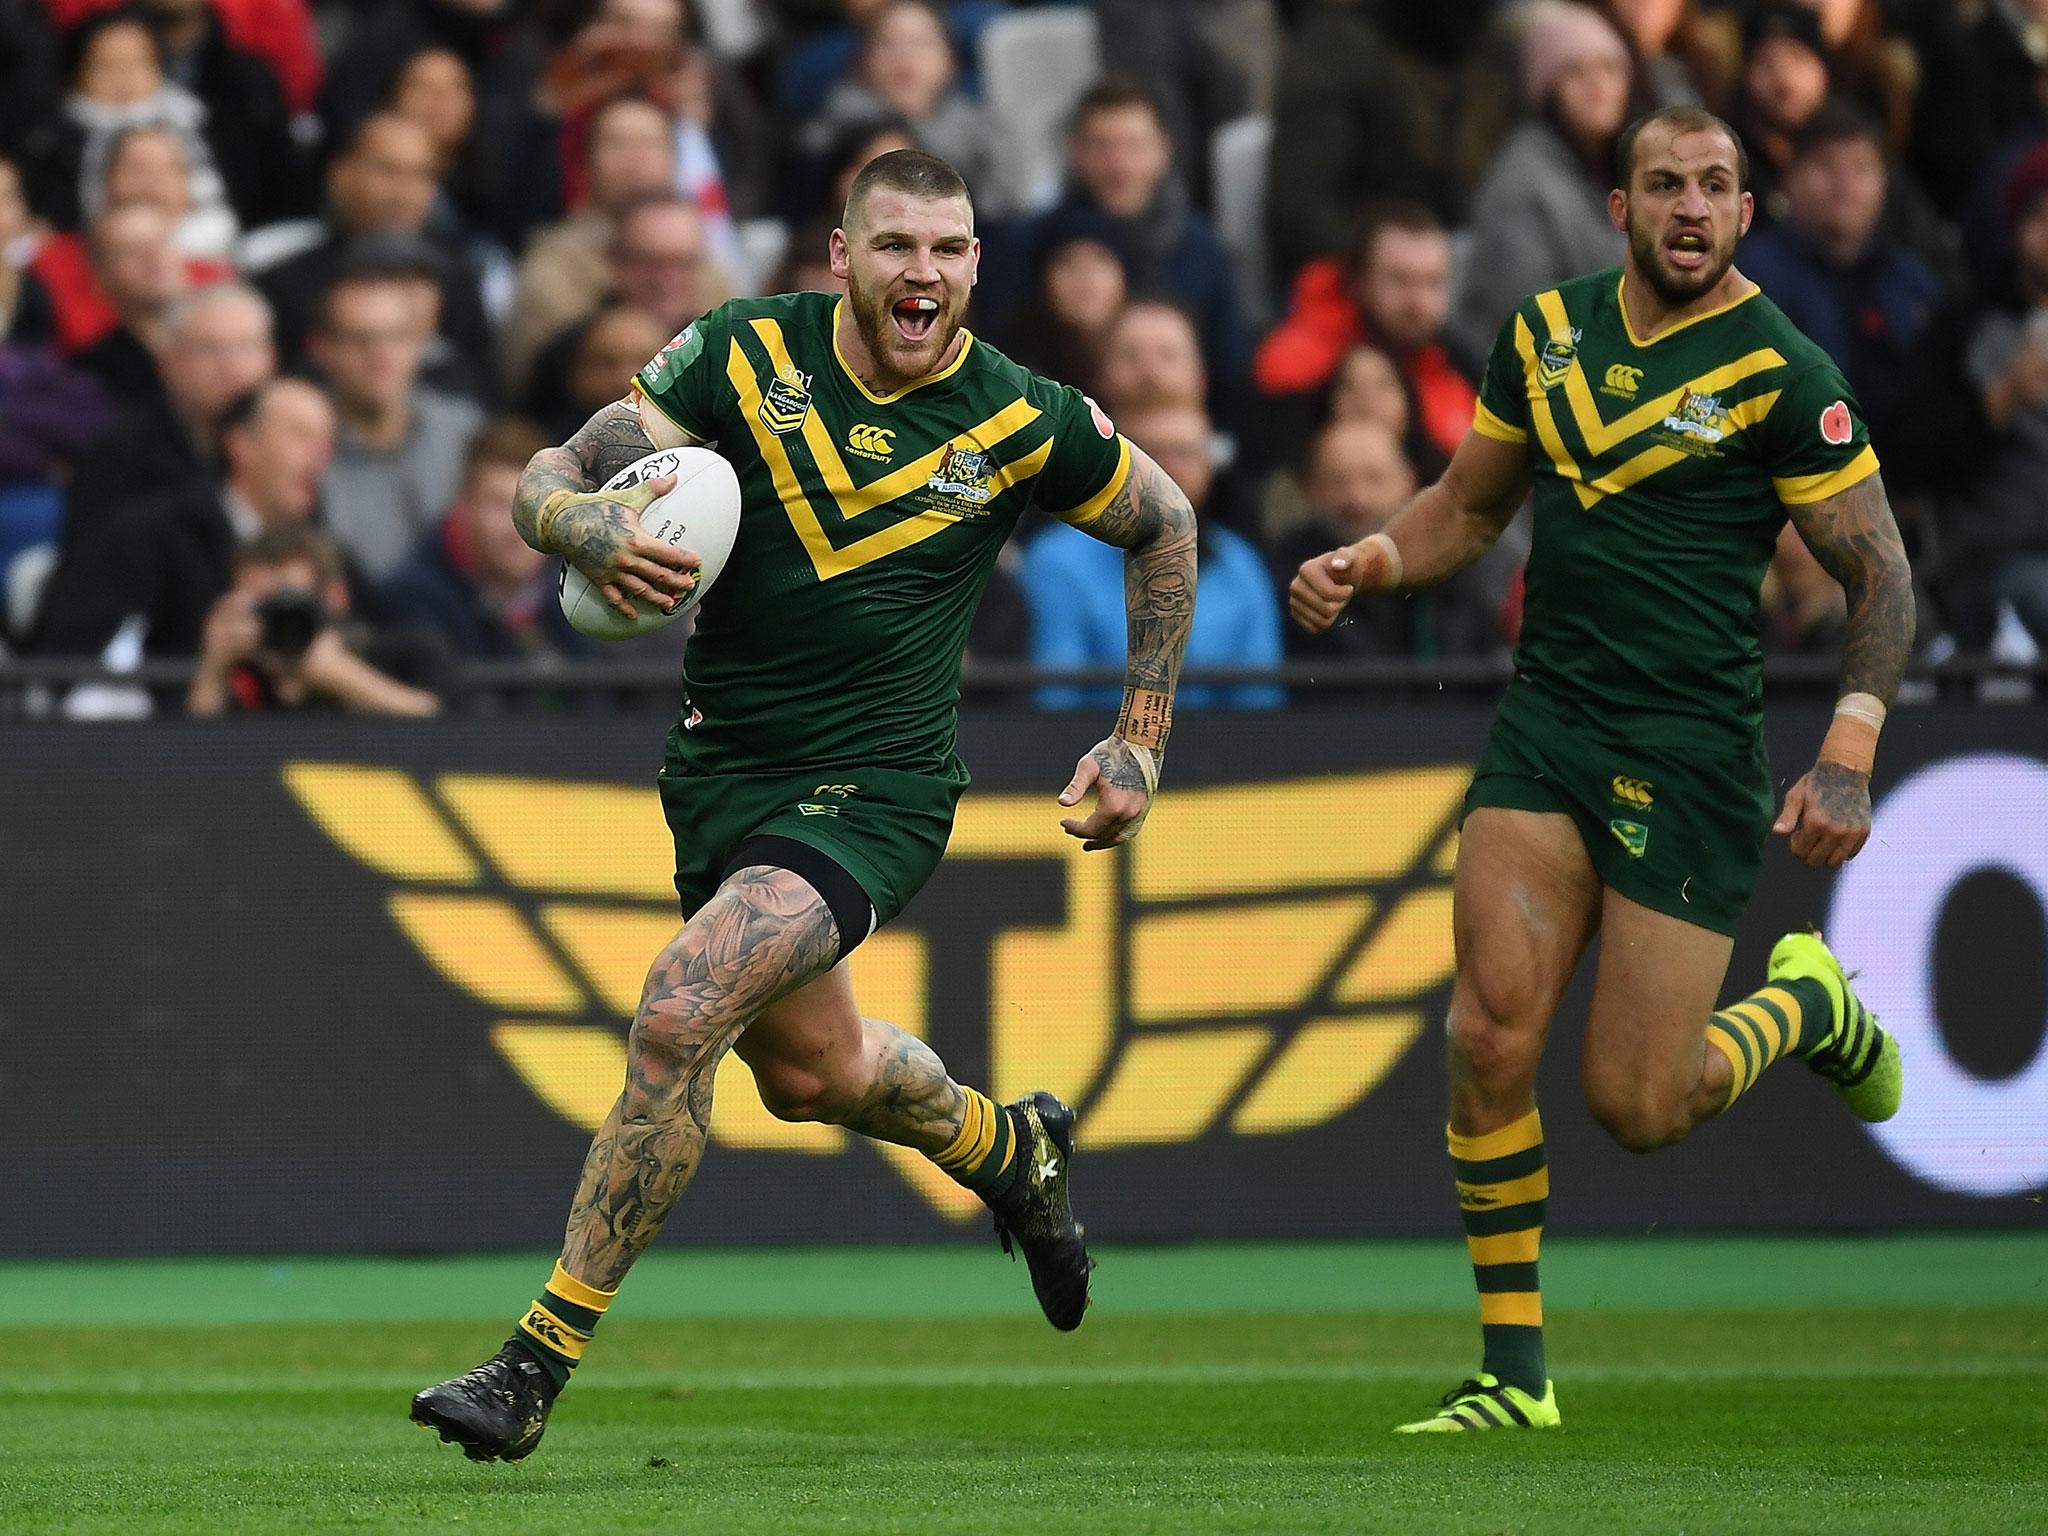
(1393, 558)
(1148, 764)
(1867, 707)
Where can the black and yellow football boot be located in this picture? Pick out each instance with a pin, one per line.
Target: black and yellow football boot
(496, 1412)
(1036, 1214)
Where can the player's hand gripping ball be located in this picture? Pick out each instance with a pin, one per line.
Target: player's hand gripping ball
(700, 514)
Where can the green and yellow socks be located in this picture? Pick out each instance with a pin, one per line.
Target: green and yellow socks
(557, 1328)
(1503, 1185)
(985, 1155)
(1786, 1018)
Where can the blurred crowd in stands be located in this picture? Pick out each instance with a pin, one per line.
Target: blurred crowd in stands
(290, 290)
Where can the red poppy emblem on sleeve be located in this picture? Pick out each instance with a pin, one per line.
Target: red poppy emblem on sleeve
(1835, 425)
(1102, 422)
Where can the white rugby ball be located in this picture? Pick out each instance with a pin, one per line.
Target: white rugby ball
(701, 514)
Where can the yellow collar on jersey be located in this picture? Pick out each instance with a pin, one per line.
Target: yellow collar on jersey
(966, 346)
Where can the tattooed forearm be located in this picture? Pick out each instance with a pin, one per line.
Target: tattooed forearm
(1153, 523)
(765, 933)
(604, 445)
(912, 1101)
(1856, 541)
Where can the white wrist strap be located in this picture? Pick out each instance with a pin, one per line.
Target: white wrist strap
(1393, 557)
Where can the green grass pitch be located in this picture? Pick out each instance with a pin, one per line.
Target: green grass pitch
(1742, 1386)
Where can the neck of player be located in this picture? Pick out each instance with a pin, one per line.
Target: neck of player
(1649, 315)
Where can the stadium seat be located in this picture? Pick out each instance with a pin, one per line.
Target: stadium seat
(1238, 154)
(1034, 66)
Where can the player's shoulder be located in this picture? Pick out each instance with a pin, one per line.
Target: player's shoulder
(1586, 300)
(795, 313)
(995, 373)
(1756, 323)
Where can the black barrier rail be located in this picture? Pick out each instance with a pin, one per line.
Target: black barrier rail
(29, 686)
(327, 985)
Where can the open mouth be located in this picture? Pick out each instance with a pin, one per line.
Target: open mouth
(1687, 251)
(915, 318)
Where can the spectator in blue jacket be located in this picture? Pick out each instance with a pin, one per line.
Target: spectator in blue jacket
(1075, 585)
(1855, 290)
(1122, 165)
(472, 579)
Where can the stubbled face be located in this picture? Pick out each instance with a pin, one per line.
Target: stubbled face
(1404, 287)
(909, 264)
(1683, 212)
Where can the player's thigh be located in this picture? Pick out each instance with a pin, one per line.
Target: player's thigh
(1652, 995)
(808, 1048)
(1525, 903)
(764, 934)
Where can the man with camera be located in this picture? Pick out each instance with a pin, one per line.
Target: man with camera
(277, 641)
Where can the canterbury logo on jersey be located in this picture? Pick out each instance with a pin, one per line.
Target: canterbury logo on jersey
(1622, 380)
(866, 442)
(1634, 792)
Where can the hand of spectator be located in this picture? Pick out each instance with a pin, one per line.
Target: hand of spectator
(232, 634)
(330, 669)
(1325, 585)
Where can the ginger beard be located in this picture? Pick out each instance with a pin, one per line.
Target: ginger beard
(909, 312)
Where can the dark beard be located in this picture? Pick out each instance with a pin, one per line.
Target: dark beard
(1674, 288)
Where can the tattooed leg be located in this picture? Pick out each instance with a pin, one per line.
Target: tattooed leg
(815, 1058)
(765, 934)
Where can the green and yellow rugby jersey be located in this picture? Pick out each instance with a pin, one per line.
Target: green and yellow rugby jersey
(868, 527)
(1661, 471)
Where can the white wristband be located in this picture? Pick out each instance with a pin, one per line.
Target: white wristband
(1393, 558)
(1867, 707)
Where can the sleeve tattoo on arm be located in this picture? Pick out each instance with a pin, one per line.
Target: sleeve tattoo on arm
(1151, 520)
(1856, 541)
(604, 445)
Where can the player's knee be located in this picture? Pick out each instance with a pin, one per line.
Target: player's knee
(1639, 1119)
(1488, 1037)
(792, 1090)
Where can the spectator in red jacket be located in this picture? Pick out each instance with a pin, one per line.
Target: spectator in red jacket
(1394, 294)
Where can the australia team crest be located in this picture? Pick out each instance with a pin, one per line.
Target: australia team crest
(787, 402)
(963, 472)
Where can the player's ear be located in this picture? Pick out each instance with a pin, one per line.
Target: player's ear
(974, 261)
(1748, 213)
(1617, 208)
(840, 251)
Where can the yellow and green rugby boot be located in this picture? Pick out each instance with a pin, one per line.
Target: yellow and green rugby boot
(1857, 1055)
(1487, 1402)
